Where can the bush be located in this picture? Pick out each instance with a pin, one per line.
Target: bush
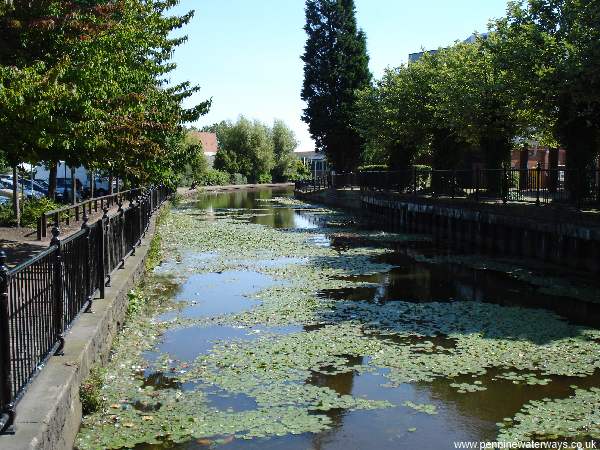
(373, 168)
(90, 392)
(265, 178)
(238, 178)
(299, 172)
(422, 167)
(30, 213)
(213, 177)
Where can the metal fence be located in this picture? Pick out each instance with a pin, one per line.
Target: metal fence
(316, 184)
(74, 213)
(540, 186)
(41, 298)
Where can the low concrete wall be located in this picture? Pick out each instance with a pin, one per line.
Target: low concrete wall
(564, 237)
(49, 414)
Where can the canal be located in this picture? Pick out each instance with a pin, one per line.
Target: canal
(276, 324)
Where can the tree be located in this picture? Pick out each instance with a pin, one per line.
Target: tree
(550, 50)
(395, 116)
(97, 92)
(246, 148)
(284, 144)
(473, 102)
(192, 168)
(336, 64)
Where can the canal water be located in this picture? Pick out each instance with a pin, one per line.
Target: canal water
(403, 293)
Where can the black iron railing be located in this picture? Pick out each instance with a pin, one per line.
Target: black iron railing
(540, 186)
(41, 298)
(75, 213)
(316, 184)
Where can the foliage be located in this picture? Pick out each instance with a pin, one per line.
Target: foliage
(196, 165)
(245, 147)
(256, 151)
(90, 392)
(238, 178)
(549, 50)
(298, 172)
(154, 254)
(135, 302)
(284, 144)
(86, 82)
(31, 211)
(373, 168)
(214, 177)
(395, 116)
(336, 64)
(535, 76)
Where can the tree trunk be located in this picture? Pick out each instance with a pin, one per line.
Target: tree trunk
(523, 166)
(16, 206)
(73, 187)
(110, 184)
(553, 166)
(92, 183)
(52, 180)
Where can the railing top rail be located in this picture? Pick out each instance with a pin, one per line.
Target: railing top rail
(85, 202)
(73, 236)
(32, 260)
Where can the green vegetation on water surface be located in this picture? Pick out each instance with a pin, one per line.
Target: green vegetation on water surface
(461, 343)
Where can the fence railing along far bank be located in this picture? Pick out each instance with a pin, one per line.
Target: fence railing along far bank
(536, 185)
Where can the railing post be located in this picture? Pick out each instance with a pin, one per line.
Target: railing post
(122, 220)
(538, 182)
(139, 218)
(89, 291)
(101, 253)
(505, 183)
(58, 292)
(7, 411)
(477, 184)
(106, 244)
(453, 183)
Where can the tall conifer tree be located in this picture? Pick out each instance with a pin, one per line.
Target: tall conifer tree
(336, 64)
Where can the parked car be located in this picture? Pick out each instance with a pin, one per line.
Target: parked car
(101, 188)
(25, 186)
(42, 183)
(64, 190)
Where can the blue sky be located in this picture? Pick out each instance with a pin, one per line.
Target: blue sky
(245, 54)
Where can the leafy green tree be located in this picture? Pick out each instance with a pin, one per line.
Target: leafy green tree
(471, 101)
(193, 166)
(550, 51)
(395, 116)
(101, 98)
(336, 64)
(284, 144)
(245, 147)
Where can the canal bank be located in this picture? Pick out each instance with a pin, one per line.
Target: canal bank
(49, 414)
(291, 326)
(566, 237)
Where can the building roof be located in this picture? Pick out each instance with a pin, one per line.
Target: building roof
(413, 57)
(209, 141)
(311, 155)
